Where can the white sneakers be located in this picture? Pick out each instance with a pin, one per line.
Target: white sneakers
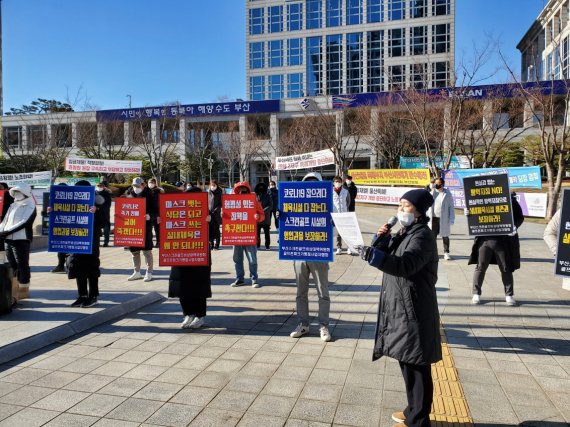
(192, 322)
(446, 256)
(299, 331)
(135, 276)
(325, 334)
(255, 284)
(338, 251)
(476, 299)
(186, 322)
(510, 300)
(147, 277)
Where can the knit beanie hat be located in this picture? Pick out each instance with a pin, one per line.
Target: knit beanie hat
(421, 199)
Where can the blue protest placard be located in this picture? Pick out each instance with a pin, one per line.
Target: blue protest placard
(305, 226)
(70, 222)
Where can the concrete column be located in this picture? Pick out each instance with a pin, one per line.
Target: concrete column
(487, 115)
(274, 135)
(182, 132)
(446, 128)
(74, 134)
(243, 140)
(24, 136)
(100, 131)
(154, 131)
(126, 133)
(528, 114)
(49, 135)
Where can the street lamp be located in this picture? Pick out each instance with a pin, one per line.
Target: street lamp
(130, 99)
(210, 165)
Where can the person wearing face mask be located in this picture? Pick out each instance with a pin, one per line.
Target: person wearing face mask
(442, 214)
(215, 210)
(139, 189)
(408, 318)
(341, 200)
(156, 191)
(353, 191)
(16, 229)
(104, 210)
(264, 198)
(274, 193)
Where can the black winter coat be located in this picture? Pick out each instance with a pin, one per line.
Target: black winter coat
(215, 204)
(407, 328)
(353, 191)
(267, 205)
(151, 209)
(274, 193)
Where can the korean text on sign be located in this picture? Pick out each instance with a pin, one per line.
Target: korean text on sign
(130, 222)
(305, 227)
(184, 229)
(562, 265)
(70, 222)
(239, 226)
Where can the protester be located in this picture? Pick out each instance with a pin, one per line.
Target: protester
(353, 191)
(61, 256)
(192, 285)
(84, 268)
(264, 198)
(16, 229)
(320, 272)
(550, 236)
(156, 191)
(274, 193)
(139, 189)
(8, 199)
(501, 250)
(341, 201)
(105, 210)
(442, 214)
(250, 251)
(215, 211)
(408, 318)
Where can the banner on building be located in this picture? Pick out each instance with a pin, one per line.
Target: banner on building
(78, 164)
(488, 199)
(238, 220)
(380, 195)
(130, 222)
(519, 177)
(421, 162)
(562, 264)
(305, 227)
(184, 229)
(305, 161)
(417, 177)
(33, 179)
(70, 221)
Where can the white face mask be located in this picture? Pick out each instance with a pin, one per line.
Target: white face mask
(406, 218)
(138, 190)
(99, 189)
(19, 196)
(348, 182)
(337, 185)
(151, 185)
(213, 188)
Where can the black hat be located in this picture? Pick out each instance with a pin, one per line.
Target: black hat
(83, 182)
(421, 199)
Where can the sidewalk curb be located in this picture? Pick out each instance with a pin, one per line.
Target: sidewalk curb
(33, 343)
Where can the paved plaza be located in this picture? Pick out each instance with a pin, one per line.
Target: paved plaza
(512, 364)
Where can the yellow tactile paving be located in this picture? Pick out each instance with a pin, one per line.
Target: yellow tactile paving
(449, 407)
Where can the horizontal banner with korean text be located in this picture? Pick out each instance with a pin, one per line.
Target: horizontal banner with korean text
(519, 177)
(421, 162)
(305, 161)
(418, 177)
(33, 179)
(380, 195)
(78, 164)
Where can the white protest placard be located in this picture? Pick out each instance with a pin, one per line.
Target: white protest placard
(78, 164)
(304, 161)
(33, 179)
(347, 226)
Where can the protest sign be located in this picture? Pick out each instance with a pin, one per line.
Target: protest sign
(238, 220)
(305, 227)
(519, 177)
(380, 195)
(562, 264)
(33, 179)
(489, 202)
(305, 161)
(184, 229)
(70, 222)
(130, 222)
(421, 162)
(390, 176)
(347, 226)
(78, 164)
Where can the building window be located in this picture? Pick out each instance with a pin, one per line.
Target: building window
(256, 55)
(420, 79)
(256, 21)
(397, 42)
(275, 19)
(13, 137)
(276, 87)
(556, 54)
(334, 13)
(295, 52)
(354, 70)
(37, 135)
(334, 64)
(295, 85)
(375, 53)
(418, 8)
(441, 7)
(440, 38)
(549, 66)
(397, 77)
(61, 135)
(565, 58)
(169, 131)
(314, 14)
(396, 9)
(294, 16)
(276, 53)
(375, 11)
(440, 74)
(419, 40)
(257, 88)
(353, 12)
(314, 66)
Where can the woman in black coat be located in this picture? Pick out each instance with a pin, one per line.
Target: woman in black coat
(408, 324)
(192, 285)
(264, 198)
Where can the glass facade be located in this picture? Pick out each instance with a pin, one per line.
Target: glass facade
(295, 85)
(441, 38)
(294, 16)
(353, 12)
(419, 77)
(256, 21)
(256, 55)
(314, 14)
(397, 42)
(418, 45)
(354, 69)
(375, 11)
(257, 88)
(276, 53)
(396, 9)
(441, 7)
(440, 77)
(275, 19)
(418, 8)
(276, 89)
(295, 52)
(375, 52)
(397, 77)
(334, 64)
(314, 67)
(334, 13)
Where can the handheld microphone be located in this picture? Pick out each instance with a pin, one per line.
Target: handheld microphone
(392, 221)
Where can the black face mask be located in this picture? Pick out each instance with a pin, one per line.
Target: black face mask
(438, 186)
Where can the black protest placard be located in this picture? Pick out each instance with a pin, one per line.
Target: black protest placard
(488, 199)
(562, 267)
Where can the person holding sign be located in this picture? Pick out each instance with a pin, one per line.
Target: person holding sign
(408, 317)
(551, 236)
(341, 201)
(442, 214)
(215, 209)
(264, 198)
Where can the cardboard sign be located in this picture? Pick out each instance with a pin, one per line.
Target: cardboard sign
(562, 265)
(70, 222)
(238, 219)
(184, 229)
(488, 199)
(130, 222)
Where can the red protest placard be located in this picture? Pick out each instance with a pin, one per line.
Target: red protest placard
(2, 192)
(183, 229)
(238, 220)
(130, 222)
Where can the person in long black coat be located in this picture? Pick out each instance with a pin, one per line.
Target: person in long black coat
(407, 327)
(264, 198)
(501, 250)
(192, 285)
(102, 190)
(215, 210)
